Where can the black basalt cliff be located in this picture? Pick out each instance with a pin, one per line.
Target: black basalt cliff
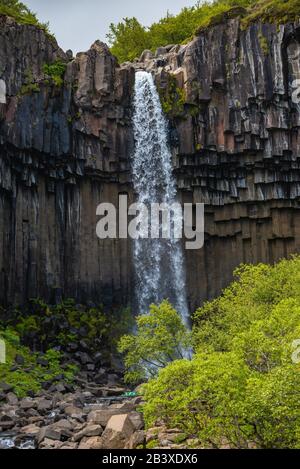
(232, 99)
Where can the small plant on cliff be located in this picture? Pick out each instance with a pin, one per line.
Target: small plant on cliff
(30, 86)
(172, 98)
(55, 72)
(161, 337)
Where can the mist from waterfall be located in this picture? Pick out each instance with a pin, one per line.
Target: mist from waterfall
(158, 263)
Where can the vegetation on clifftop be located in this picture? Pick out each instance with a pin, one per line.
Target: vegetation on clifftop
(21, 13)
(129, 38)
(241, 387)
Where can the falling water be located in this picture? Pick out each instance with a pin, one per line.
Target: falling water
(159, 263)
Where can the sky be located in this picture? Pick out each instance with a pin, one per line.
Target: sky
(78, 23)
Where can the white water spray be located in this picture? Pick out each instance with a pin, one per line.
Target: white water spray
(159, 263)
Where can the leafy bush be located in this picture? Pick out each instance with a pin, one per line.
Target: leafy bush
(129, 38)
(160, 338)
(42, 326)
(55, 71)
(21, 13)
(241, 388)
(30, 375)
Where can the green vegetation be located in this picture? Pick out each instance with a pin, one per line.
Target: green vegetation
(172, 98)
(21, 13)
(26, 374)
(41, 330)
(41, 326)
(129, 38)
(161, 338)
(55, 72)
(30, 86)
(242, 385)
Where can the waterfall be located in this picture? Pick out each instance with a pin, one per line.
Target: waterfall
(158, 263)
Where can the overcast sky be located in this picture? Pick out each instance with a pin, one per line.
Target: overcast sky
(78, 23)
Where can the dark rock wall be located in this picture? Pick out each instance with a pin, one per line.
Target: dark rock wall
(63, 150)
(237, 145)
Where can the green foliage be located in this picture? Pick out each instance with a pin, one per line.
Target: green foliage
(41, 326)
(21, 13)
(29, 376)
(30, 86)
(129, 38)
(55, 71)
(241, 387)
(160, 338)
(172, 98)
(264, 45)
(272, 11)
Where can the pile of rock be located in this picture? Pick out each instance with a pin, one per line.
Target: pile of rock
(76, 420)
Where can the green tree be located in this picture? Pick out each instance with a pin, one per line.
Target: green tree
(127, 39)
(241, 387)
(160, 338)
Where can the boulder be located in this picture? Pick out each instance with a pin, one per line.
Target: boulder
(49, 443)
(101, 417)
(146, 55)
(137, 420)
(28, 403)
(74, 412)
(48, 433)
(118, 432)
(94, 442)
(44, 405)
(88, 431)
(4, 387)
(31, 430)
(12, 399)
(137, 439)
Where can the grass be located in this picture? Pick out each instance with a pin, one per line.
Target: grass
(22, 14)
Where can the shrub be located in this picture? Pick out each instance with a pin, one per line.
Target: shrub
(241, 387)
(56, 72)
(129, 38)
(29, 375)
(160, 338)
(21, 13)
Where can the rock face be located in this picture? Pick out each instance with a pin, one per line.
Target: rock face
(234, 131)
(63, 150)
